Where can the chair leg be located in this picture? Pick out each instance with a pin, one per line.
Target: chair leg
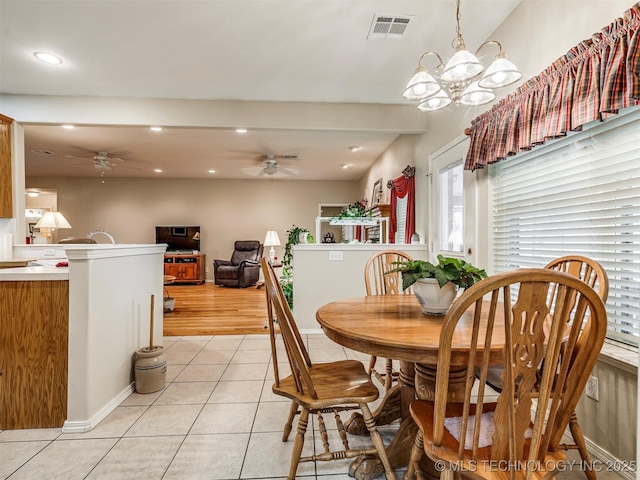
(414, 459)
(376, 438)
(388, 379)
(289, 425)
(298, 443)
(578, 437)
(372, 364)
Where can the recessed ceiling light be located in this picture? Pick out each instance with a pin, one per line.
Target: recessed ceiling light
(48, 58)
(354, 148)
(69, 127)
(241, 130)
(155, 129)
(33, 194)
(345, 165)
(158, 170)
(212, 171)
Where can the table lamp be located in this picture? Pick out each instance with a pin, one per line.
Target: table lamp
(272, 240)
(50, 221)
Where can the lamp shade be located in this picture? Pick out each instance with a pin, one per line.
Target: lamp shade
(271, 239)
(52, 220)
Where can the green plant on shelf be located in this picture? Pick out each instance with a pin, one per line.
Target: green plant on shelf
(355, 210)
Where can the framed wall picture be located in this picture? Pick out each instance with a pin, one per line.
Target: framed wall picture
(376, 195)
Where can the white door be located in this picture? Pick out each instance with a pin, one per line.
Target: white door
(452, 206)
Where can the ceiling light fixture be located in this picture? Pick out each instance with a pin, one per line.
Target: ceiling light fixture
(241, 130)
(155, 129)
(212, 171)
(48, 58)
(354, 148)
(344, 166)
(32, 193)
(69, 127)
(461, 77)
(158, 170)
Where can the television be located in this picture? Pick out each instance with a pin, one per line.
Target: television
(178, 237)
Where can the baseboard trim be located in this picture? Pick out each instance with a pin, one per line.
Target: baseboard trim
(602, 459)
(81, 426)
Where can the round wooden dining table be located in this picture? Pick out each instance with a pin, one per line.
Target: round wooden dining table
(393, 326)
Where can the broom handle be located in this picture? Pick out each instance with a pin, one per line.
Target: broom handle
(151, 328)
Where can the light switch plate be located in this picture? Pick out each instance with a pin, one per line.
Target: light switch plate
(49, 252)
(335, 255)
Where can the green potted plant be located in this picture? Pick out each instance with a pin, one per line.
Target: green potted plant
(294, 236)
(436, 286)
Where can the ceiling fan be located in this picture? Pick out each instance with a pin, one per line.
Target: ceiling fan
(102, 161)
(272, 167)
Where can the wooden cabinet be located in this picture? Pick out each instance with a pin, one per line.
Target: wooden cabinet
(34, 326)
(186, 268)
(6, 179)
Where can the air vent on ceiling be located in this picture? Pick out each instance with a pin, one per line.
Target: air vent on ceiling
(388, 26)
(43, 152)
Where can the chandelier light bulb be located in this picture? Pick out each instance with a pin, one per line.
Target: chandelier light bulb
(500, 73)
(435, 102)
(475, 95)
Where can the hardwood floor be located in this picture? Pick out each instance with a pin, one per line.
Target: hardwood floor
(208, 309)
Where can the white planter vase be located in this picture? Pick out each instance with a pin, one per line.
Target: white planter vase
(433, 299)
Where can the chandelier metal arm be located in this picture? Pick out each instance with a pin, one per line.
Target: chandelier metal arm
(425, 54)
(501, 53)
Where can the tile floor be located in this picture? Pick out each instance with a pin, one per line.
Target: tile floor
(216, 419)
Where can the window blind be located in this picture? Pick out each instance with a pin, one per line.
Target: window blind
(579, 195)
(401, 217)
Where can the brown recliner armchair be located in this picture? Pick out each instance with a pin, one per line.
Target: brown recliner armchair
(243, 270)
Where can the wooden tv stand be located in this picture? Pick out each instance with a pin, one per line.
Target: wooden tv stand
(187, 268)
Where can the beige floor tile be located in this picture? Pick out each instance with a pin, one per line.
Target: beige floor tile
(241, 391)
(173, 371)
(267, 394)
(209, 457)
(200, 373)
(135, 458)
(29, 434)
(252, 356)
(114, 425)
(65, 460)
(223, 343)
(141, 398)
(15, 454)
(319, 355)
(256, 342)
(186, 393)
(213, 357)
(187, 344)
(245, 371)
(165, 420)
(179, 357)
(271, 417)
(225, 418)
(269, 456)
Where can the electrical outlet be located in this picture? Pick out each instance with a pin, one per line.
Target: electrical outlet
(49, 252)
(592, 388)
(335, 255)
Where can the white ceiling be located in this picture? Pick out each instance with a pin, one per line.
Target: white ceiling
(240, 50)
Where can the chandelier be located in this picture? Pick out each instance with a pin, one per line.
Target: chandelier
(461, 80)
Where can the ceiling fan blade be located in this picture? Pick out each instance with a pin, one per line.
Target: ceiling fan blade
(287, 171)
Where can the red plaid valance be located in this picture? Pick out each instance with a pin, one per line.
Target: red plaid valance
(590, 82)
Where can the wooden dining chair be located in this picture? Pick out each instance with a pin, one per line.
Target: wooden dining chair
(317, 388)
(547, 353)
(592, 273)
(378, 282)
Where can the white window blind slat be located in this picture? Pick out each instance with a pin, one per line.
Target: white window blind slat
(577, 196)
(401, 217)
